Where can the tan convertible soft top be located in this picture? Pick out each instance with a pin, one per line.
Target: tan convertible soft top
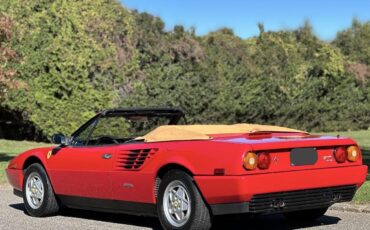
(202, 132)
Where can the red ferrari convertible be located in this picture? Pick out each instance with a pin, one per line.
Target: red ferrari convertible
(147, 162)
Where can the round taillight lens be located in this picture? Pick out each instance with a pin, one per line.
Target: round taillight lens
(250, 161)
(264, 160)
(340, 154)
(353, 153)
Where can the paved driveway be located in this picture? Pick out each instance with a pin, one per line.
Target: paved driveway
(12, 216)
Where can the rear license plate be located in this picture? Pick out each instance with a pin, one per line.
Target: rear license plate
(303, 156)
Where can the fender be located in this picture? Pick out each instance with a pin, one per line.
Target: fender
(18, 164)
(177, 160)
(39, 153)
(173, 162)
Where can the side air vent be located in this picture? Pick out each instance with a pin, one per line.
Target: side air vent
(133, 159)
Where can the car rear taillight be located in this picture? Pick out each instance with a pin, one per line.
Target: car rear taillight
(353, 153)
(264, 160)
(340, 154)
(250, 161)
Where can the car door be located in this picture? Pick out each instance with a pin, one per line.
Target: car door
(82, 169)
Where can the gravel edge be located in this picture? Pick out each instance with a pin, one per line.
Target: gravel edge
(350, 207)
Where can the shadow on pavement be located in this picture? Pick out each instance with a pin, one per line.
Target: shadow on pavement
(148, 222)
(19, 206)
(276, 222)
(225, 222)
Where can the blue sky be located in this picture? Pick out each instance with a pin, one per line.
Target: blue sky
(326, 16)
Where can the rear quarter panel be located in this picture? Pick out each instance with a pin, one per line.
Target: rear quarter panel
(199, 157)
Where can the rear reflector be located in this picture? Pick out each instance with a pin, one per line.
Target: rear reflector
(219, 172)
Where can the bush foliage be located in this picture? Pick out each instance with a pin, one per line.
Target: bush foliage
(79, 57)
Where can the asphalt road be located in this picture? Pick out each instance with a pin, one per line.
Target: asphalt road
(12, 216)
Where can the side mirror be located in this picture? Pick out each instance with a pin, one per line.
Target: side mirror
(59, 139)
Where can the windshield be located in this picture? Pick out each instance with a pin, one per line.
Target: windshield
(118, 128)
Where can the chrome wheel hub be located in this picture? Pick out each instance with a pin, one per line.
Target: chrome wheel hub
(34, 190)
(176, 204)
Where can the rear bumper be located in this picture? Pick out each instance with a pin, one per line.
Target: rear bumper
(288, 201)
(234, 194)
(15, 178)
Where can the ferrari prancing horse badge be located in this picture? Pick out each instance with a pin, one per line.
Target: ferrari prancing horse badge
(50, 153)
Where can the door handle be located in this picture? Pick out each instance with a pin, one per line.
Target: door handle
(106, 156)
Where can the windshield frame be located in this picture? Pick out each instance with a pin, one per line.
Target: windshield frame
(174, 116)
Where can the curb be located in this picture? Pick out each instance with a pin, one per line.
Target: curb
(350, 207)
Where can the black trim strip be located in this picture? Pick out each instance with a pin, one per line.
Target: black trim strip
(105, 205)
(232, 208)
(18, 192)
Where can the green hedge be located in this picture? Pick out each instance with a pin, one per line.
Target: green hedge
(79, 57)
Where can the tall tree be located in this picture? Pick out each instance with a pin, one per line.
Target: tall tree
(74, 53)
(354, 42)
(7, 57)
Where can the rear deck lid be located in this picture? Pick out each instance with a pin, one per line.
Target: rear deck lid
(290, 153)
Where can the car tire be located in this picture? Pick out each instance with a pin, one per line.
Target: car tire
(185, 208)
(38, 195)
(306, 215)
